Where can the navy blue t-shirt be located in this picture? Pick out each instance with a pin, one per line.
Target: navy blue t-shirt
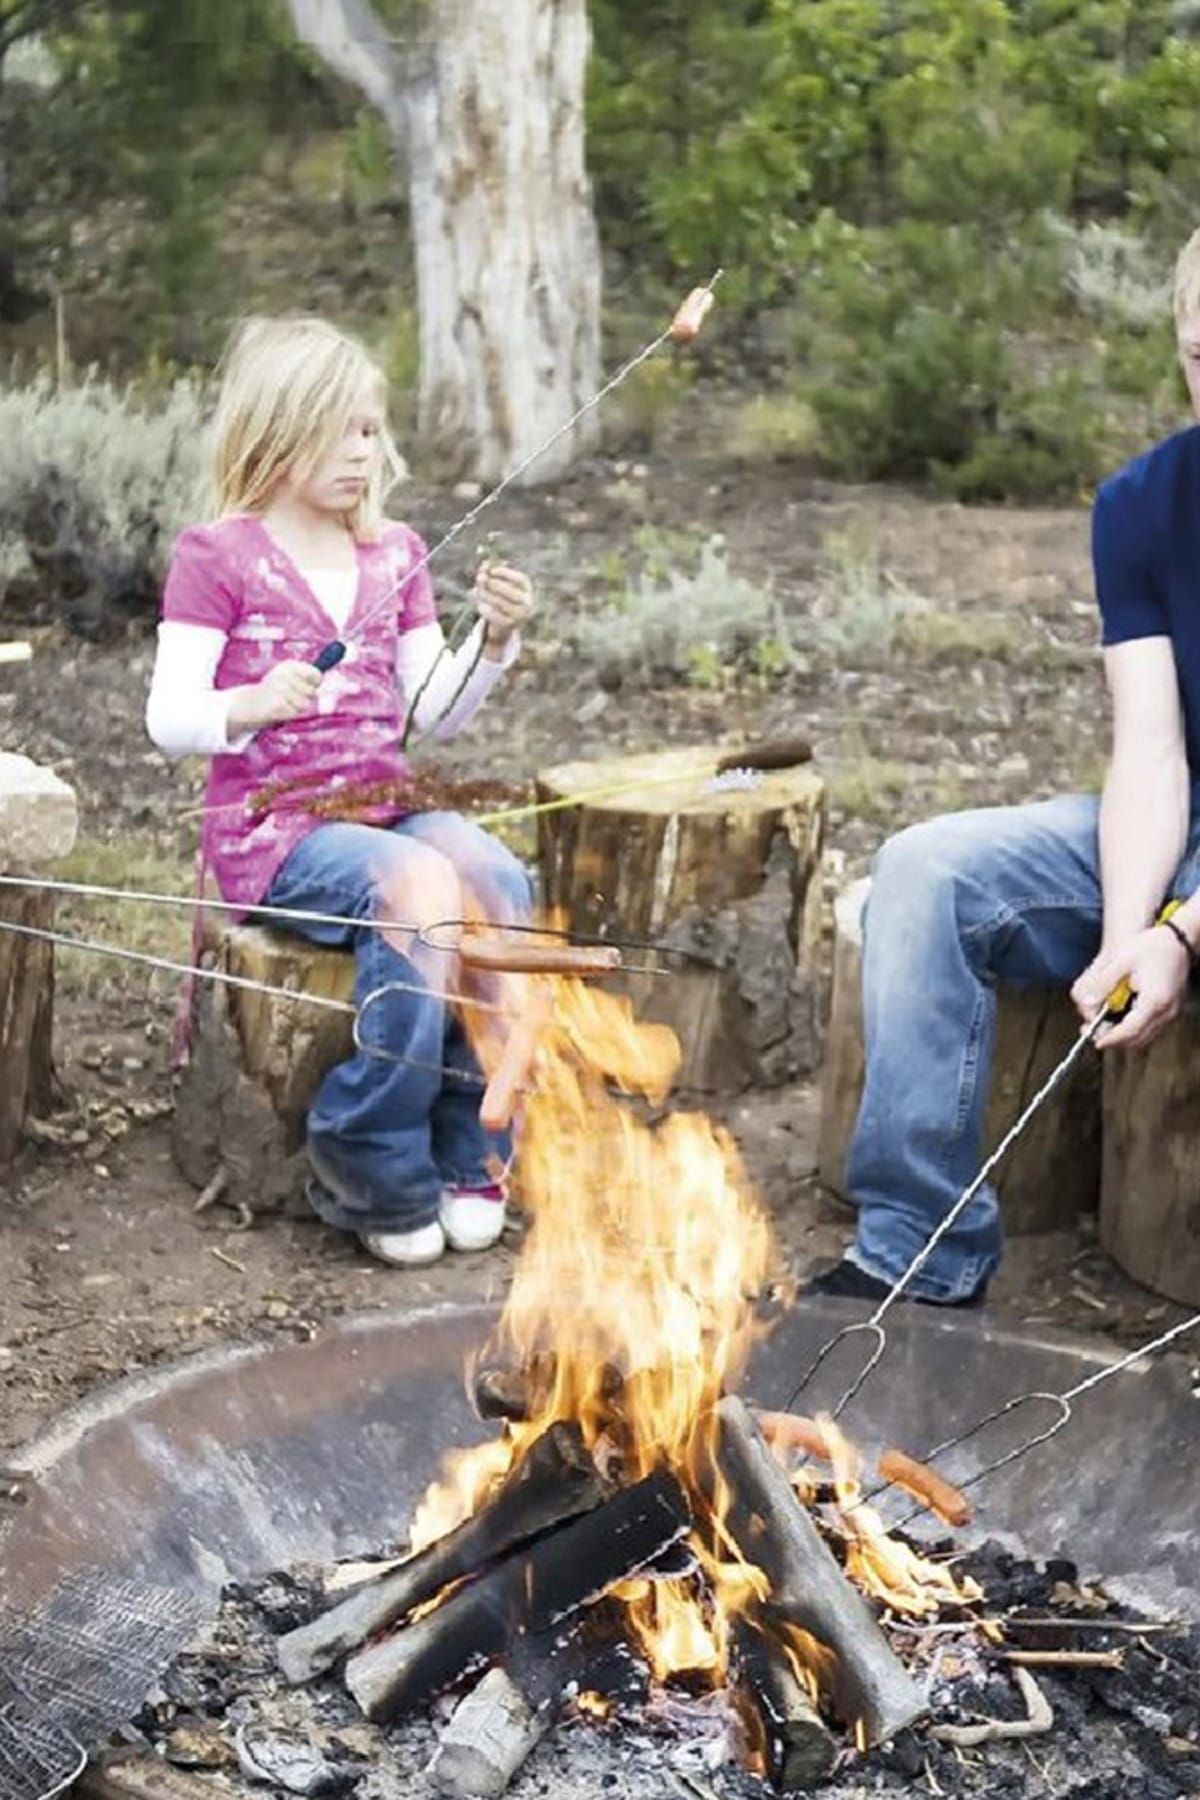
(1146, 555)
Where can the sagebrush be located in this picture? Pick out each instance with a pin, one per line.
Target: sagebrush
(95, 482)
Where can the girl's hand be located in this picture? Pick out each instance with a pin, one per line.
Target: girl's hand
(284, 692)
(504, 600)
(1157, 968)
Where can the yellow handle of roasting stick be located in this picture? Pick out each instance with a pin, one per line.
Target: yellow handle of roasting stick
(1121, 998)
(16, 652)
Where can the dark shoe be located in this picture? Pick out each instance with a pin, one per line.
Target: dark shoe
(846, 1281)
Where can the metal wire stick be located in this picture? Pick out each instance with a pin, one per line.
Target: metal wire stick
(490, 498)
(90, 890)
(1062, 1403)
(174, 967)
(875, 1322)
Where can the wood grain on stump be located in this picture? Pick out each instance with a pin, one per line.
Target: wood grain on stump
(256, 1062)
(26, 1016)
(1052, 1175)
(1150, 1184)
(723, 871)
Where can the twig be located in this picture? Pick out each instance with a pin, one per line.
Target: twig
(931, 1780)
(1039, 1720)
(231, 1262)
(1065, 1659)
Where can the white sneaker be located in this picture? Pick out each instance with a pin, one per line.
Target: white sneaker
(472, 1218)
(406, 1249)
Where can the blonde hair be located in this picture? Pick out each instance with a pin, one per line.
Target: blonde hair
(1187, 280)
(289, 387)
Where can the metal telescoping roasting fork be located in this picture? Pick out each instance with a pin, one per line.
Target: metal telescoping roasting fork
(1114, 1009)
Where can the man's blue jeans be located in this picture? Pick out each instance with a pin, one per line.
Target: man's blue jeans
(958, 905)
(384, 1135)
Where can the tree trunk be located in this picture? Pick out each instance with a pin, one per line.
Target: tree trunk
(726, 875)
(508, 263)
(487, 110)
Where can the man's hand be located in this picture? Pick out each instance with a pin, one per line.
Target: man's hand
(284, 692)
(1156, 966)
(504, 600)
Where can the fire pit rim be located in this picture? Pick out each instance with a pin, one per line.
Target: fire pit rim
(62, 1433)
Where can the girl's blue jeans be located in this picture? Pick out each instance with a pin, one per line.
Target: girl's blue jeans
(956, 906)
(385, 1135)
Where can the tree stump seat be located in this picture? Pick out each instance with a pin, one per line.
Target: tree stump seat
(1150, 1160)
(38, 823)
(658, 848)
(1052, 1175)
(256, 1061)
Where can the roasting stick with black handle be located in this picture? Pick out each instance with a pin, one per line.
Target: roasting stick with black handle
(1113, 1010)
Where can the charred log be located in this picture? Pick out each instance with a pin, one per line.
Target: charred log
(798, 1747)
(554, 1481)
(771, 1529)
(531, 1591)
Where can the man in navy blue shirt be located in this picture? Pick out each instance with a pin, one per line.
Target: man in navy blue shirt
(1060, 893)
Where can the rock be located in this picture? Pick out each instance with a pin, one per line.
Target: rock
(39, 816)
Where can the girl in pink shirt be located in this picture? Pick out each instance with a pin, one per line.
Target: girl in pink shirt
(298, 556)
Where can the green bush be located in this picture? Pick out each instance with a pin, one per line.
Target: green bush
(94, 485)
(695, 620)
(926, 362)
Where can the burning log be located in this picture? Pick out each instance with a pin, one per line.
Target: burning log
(800, 1749)
(554, 1481)
(530, 1591)
(772, 1530)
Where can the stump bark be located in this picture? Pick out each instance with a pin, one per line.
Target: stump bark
(1052, 1175)
(38, 820)
(726, 873)
(256, 1061)
(1150, 1181)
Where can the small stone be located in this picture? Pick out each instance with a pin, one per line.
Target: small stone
(467, 490)
(39, 816)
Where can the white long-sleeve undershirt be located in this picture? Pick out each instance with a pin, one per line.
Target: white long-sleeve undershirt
(187, 716)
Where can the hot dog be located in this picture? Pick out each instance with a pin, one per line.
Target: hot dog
(513, 956)
(690, 316)
(925, 1485)
(501, 1094)
(792, 1431)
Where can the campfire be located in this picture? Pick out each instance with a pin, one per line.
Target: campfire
(631, 1508)
(641, 1561)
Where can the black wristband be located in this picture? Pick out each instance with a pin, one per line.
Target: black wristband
(1178, 932)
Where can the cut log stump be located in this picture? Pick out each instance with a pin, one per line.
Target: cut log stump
(38, 822)
(256, 1062)
(723, 868)
(1052, 1175)
(1150, 1181)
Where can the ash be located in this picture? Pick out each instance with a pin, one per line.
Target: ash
(1122, 1733)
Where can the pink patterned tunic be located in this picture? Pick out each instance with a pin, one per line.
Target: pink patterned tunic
(234, 576)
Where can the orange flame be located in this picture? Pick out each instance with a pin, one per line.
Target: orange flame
(906, 1581)
(633, 1299)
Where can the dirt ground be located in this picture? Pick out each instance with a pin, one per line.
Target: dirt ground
(994, 695)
